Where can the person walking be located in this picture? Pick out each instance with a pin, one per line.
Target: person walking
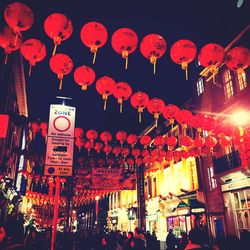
(170, 240)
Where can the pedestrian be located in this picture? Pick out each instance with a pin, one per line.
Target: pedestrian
(195, 239)
(130, 242)
(183, 241)
(171, 240)
(140, 240)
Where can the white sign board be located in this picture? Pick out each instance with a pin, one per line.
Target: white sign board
(60, 143)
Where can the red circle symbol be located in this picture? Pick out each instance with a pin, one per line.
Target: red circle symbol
(61, 123)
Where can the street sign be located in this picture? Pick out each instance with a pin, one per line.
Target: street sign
(60, 142)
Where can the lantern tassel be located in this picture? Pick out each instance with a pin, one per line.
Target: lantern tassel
(154, 67)
(105, 104)
(15, 42)
(54, 50)
(30, 69)
(126, 62)
(186, 74)
(156, 122)
(94, 57)
(120, 107)
(60, 85)
(6, 58)
(139, 117)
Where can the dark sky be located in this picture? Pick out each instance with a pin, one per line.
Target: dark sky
(202, 21)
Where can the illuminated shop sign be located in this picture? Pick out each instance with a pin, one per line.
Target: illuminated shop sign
(152, 217)
(198, 210)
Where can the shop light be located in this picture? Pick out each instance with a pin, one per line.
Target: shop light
(240, 117)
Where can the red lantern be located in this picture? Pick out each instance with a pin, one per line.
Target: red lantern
(209, 123)
(94, 35)
(107, 149)
(136, 152)
(199, 142)
(91, 135)
(186, 141)
(33, 51)
(98, 147)
(61, 65)
(124, 41)
(169, 156)
(122, 91)
(88, 145)
(153, 47)
(104, 87)
(19, 17)
(58, 27)
(79, 142)
(210, 56)
(145, 153)
(198, 122)
(238, 59)
(79, 132)
(106, 137)
(132, 140)
(139, 100)
(183, 52)
(225, 141)
(125, 152)
(210, 141)
(121, 136)
(184, 117)
(184, 154)
(176, 155)
(171, 142)
(145, 140)
(169, 112)
(35, 128)
(130, 161)
(116, 150)
(159, 141)
(110, 162)
(156, 107)
(84, 76)
(7, 41)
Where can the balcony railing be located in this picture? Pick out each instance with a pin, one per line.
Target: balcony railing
(226, 162)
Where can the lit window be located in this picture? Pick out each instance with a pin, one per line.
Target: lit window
(228, 84)
(242, 80)
(211, 180)
(200, 86)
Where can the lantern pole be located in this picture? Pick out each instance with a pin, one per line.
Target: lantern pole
(56, 208)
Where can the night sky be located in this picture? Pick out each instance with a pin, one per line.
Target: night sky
(218, 21)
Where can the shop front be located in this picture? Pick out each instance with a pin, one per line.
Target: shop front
(236, 197)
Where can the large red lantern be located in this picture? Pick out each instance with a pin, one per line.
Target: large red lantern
(199, 120)
(122, 91)
(153, 47)
(124, 41)
(7, 41)
(106, 137)
(104, 87)
(58, 27)
(186, 141)
(184, 117)
(199, 142)
(145, 140)
(61, 65)
(94, 35)
(139, 100)
(238, 59)
(210, 141)
(183, 52)
(156, 107)
(84, 76)
(121, 136)
(170, 112)
(33, 51)
(19, 17)
(210, 56)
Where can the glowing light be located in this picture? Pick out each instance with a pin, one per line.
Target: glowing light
(97, 197)
(240, 118)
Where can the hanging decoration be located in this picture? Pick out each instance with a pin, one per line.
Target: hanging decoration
(156, 107)
(153, 47)
(33, 51)
(104, 87)
(238, 59)
(61, 65)
(94, 35)
(183, 52)
(145, 140)
(91, 135)
(124, 41)
(121, 136)
(139, 100)
(84, 76)
(19, 17)
(169, 113)
(59, 28)
(122, 91)
(184, 117)
(132, 140)
(106, 137)
(7, 41)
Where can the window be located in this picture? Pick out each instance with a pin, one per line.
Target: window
(200, 86)
(228, 84)
(242, 80)
(211, 180)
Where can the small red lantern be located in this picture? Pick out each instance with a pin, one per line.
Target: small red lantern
(7, 41)
(199, 142)
(61, 65)
(94, 35)
(159, 141)
(58, 27)
(136, 152)
(84, 76)
(104, 87)
(176, 155)
(121, 136)
(107, 149)
(33, 51)
(91, 135)
(238, 59)
(184, 154)
(106, 137)
(79, 132)
(80, 142)
(98, 147)
(116, 150)
(145, 153)
(225, 141)
(122, 91)
(171, 142)
(153, 47)
(169, 112)
(124, 41)
(183, 52)
(125, 152)
(132, 140)
(145, 140)
(19, 17)
(88, 145)
(35, 128)
(210, 56)
(156, 107)
(198, 122)
(139, 100)
(186, 141)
